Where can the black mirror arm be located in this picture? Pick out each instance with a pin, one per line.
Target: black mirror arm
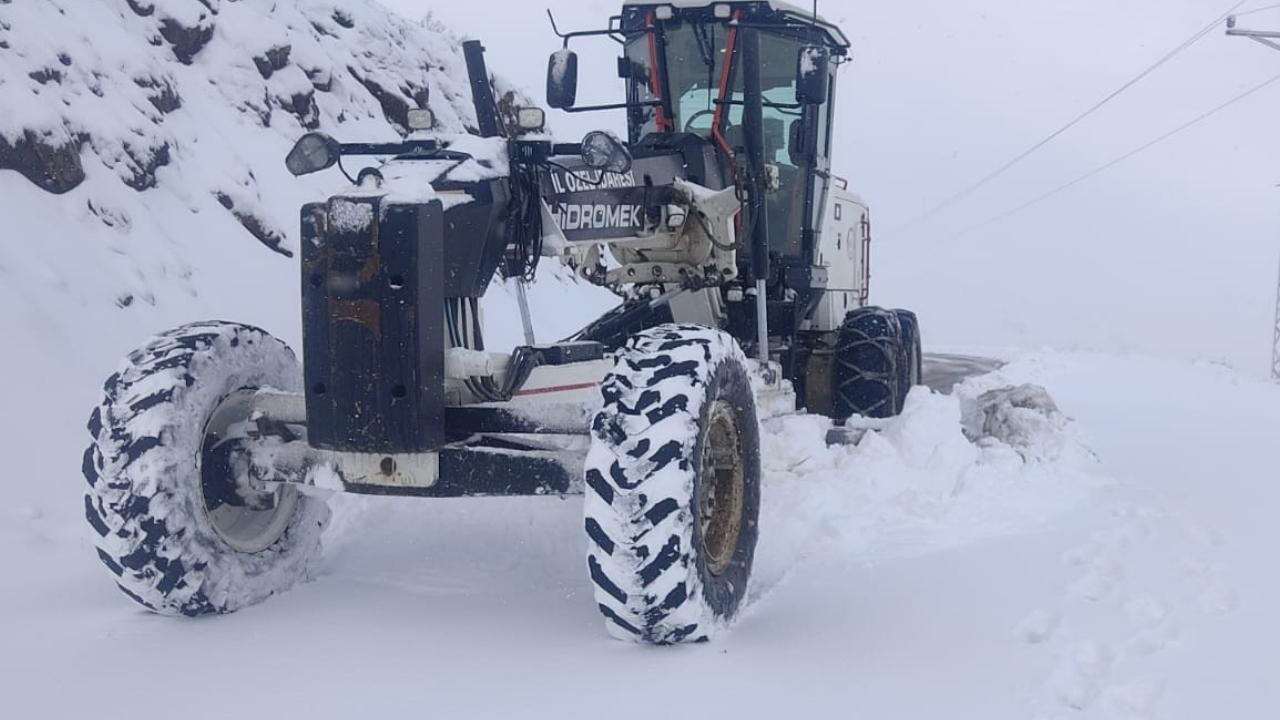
(614, 31)
(402, 148)
(614, 106)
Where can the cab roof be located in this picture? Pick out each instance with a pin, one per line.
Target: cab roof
(791, 12)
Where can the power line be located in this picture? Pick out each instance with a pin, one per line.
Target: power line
(1258, 10)
(966, 191)
(1146, 146)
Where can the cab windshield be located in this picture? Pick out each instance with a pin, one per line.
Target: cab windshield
(695, 54)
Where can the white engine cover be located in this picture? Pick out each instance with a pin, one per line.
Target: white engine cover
(844, 246)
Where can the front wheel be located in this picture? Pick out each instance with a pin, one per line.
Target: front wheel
(171, 522)
(673, 486)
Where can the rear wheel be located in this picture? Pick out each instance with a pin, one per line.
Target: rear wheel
(868, 373)
(673, 486)
(912, 359)
(175, 519)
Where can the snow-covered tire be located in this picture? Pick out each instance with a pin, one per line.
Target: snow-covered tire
(149, 482)
(910, 371)
(868, 355)
(673, 486)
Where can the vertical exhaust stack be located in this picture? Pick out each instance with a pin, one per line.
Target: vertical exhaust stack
(753, 135)
(481, 90)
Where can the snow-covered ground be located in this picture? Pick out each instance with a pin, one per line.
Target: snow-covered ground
(914, 575)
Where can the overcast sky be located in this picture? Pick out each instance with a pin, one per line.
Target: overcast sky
(1174, 251)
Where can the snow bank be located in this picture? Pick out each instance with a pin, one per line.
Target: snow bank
(915, 485)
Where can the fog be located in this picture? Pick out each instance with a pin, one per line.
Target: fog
(1173, 252)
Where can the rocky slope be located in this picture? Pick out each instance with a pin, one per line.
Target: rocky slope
(165, 119)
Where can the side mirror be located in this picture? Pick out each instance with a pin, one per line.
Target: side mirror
(811, 75)
(312, 153)
(562, 79)
(796, 149)
(603, 151)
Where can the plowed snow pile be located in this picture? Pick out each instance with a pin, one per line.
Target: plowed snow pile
(917, 485)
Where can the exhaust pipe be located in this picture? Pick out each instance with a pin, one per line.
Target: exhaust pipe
(481, 91)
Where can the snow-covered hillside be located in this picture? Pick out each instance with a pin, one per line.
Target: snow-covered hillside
(197, 100)
(162, 125)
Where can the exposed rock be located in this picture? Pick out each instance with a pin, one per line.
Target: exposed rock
(163, 96)
(261, 108)
(94, 83)
(303, 106)
(109, 217)
(508, 104)
(52, 167)
(394, 106)
(146, 163)
(321, 79)
(187, 42)
(343, 19)
(44, 76)
(322, 30)
(420, 95)
(277, 58)
(273, 239)
(142, 8)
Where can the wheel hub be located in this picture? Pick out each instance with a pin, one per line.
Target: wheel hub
(722, 490)
(249, 519)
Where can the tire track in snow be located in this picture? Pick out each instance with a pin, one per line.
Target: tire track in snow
(1125, 601)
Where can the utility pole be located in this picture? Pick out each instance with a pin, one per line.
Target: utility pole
(1266, 37)
(1269, 38)
(1275, 342)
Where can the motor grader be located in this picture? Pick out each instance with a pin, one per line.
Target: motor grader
(742, 267)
